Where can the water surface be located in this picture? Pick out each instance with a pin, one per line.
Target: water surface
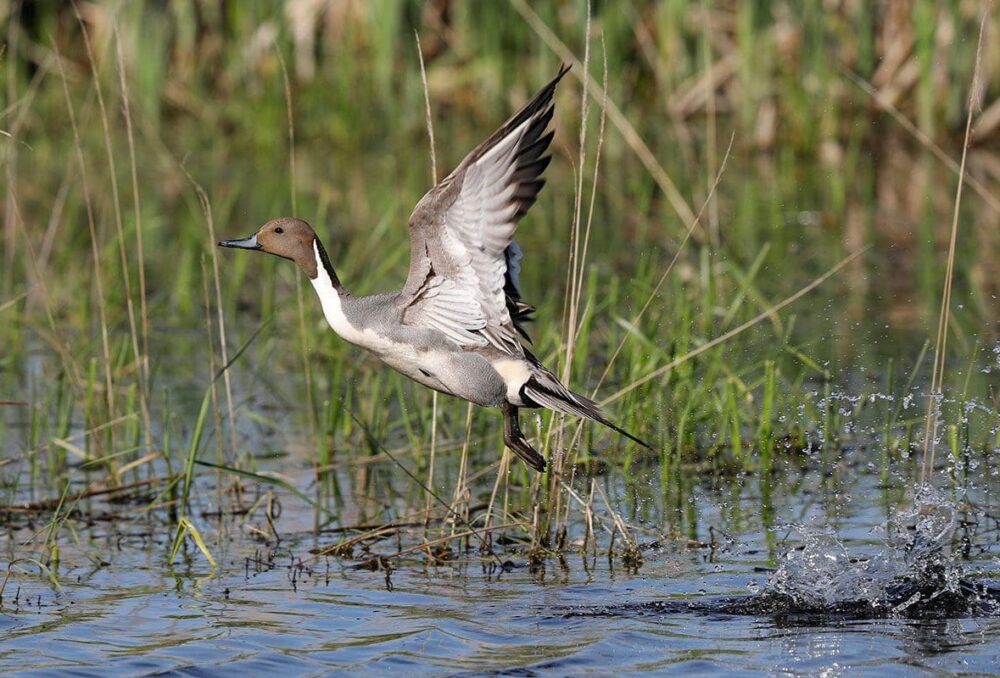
(276, 607)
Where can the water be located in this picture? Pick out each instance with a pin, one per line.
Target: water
(437, 623)
(912, 568)
(276, 607)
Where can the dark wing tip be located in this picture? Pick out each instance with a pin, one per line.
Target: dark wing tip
(545, 94)
(538, 106)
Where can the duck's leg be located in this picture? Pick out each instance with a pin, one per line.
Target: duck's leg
(515, 440)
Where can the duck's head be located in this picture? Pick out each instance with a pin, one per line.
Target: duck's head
(287, 238)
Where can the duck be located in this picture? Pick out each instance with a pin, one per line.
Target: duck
(458, 324)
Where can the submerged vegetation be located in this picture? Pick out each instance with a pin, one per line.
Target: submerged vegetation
(740, 251)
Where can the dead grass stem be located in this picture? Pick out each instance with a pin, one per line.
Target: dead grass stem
(941, 343)
(617, 118)
(94, 246)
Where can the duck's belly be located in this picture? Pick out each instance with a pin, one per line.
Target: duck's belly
(466, 375)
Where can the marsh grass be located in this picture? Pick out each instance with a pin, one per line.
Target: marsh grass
(731, 337)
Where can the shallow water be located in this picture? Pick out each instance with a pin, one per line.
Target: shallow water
(433, 624)
(133, 613)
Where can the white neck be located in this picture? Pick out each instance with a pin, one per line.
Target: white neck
(331, 300)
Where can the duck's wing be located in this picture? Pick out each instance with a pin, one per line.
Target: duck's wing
(464, 263)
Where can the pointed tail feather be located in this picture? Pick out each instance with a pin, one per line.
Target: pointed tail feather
(544, 389)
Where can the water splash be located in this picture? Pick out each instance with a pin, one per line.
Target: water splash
(914, 572)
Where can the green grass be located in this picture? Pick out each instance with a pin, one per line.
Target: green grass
(815, 174)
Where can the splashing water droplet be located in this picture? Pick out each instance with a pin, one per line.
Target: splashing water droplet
(914, 569)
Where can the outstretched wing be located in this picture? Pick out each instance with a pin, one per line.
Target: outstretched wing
(464, 266)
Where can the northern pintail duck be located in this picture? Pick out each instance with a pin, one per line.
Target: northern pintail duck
(457, 326)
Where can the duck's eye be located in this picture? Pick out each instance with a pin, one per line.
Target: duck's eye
(279, 230)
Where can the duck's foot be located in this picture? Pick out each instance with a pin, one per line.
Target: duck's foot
(515, 440)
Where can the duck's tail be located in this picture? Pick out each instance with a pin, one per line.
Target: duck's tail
(545, 390)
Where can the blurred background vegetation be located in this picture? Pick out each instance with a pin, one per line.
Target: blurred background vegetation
(847, 119)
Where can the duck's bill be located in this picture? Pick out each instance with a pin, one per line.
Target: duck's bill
(244, 244)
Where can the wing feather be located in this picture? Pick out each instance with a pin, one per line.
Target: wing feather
(464, 268)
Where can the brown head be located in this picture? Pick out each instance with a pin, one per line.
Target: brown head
(287, 238)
